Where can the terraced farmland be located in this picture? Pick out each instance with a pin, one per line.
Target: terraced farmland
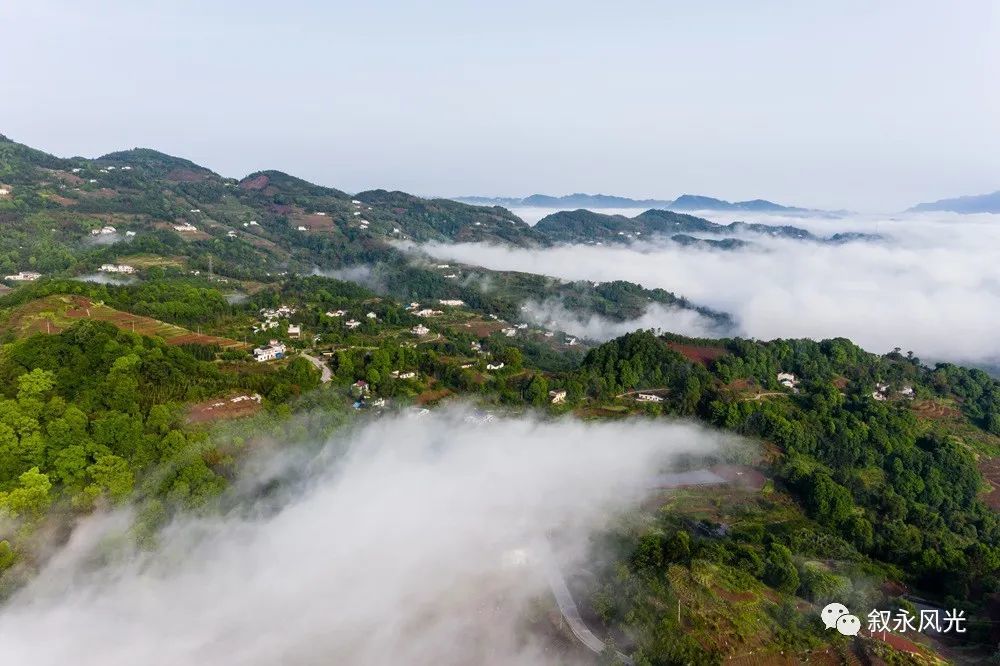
(54, 313)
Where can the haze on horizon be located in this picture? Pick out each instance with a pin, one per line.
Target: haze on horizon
(829, 104)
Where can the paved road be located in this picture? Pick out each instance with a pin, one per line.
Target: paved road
(557, 582)
(568, 607)
(325, 374)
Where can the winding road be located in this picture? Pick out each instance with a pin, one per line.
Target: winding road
(325, 374)
(557, 582)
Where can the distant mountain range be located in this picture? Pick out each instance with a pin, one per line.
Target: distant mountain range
(686, 202)
(977, 203)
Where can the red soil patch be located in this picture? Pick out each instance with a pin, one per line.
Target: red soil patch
(255, 183)
(741, 476)
(840, 382)
(186, 176)
(313, 222)
(990, 469)
(221, 408)
(62, 201)
(697, 353)
(895, 641)
(432, 396)
(66, 177)
(931, 409)
(483, 329)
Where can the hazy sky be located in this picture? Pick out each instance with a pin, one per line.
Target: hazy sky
(870, 105)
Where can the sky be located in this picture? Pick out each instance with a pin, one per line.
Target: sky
(846, 104)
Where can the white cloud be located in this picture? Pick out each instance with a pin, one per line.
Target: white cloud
(393, 552)
(933, 284)
(596, 327)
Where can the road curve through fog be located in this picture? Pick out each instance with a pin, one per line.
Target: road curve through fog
(557, 581)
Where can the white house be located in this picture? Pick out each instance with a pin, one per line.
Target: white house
(24, 276)
(253, 223)
(451, 276)
(352, 323)
(300, 228)
(103, 231)
(4, 191)
(294, 330)
(196, 210)
(492, 366)
(320, 214)
(230, 234)
(274, 350)
(444, 266)
(420, 329)
(427, 312)
(509, 332)
(117, 268)
(186, 226)
(371, 315)
(648, 397)
(453, 302)
(129, 234)
(907, 392)
(571, 341)
(336, 313)
(787, 380)
(396, 374)
(557, 397)
(355, 202)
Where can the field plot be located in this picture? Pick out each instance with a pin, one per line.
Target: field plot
(54, 313)
(697, 353)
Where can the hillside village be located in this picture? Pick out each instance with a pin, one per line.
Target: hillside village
(248, 310)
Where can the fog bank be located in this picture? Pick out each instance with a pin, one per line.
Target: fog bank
(552, 313)
(398, 551)
(932, 285)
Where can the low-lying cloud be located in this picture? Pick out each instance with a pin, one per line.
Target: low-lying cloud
(397, 551)
(552, 313)
(931, 285)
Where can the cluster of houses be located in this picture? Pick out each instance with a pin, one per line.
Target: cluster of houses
(103, 231)
(185, 227)
(396, 374)
(648, 397)
(273, 351)
(453, 302)
(23, 276)
(270, 317)
(881, 392)
(420, 329)
(123, 269)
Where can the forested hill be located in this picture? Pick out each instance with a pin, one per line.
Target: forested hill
(585, 226)
(853, 436)
(67, 217)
